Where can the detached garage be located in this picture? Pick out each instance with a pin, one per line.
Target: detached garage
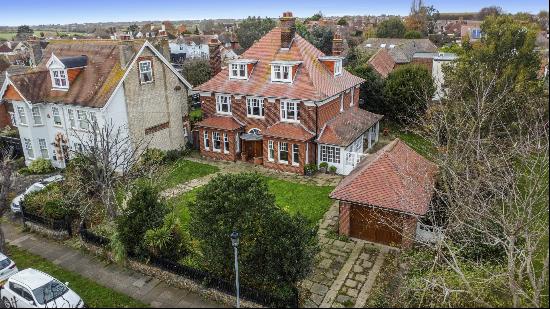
(383, 197)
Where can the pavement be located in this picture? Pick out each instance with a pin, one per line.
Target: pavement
(144, 288)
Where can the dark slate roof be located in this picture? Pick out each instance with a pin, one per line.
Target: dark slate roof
(75, 62)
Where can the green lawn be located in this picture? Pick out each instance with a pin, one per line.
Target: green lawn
(182, 171)
(311, 201)
(93, 294)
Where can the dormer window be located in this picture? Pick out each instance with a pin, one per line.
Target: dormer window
(238, 70)
(281, 73)
(333, 64)
(59, 79)
(337, 67)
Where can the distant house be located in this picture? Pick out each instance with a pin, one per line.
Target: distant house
(472, 30)
(128, 84)
(390, 53)
(284, 104)
(439, 61)
(7, 116)
(192, 47)
(383, 199)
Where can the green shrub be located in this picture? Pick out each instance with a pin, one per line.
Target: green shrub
(24, 171)
(153, 156)
(49, 203)
(323, 165)
(310, 168)
(175, 154)
(195, 115)
(20, 163)
(170, 241)
(41, 166)
(276, 249)
(141, 212)
(332, 169)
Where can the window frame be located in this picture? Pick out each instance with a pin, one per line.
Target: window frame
(295, 152)
(22, 114)
(281, 70)
(216, 139)
(206, 140)
(338, 68)
(270, 150)
(56, 114)
(82, 120)
(143, 72)
(220, 104)
(42, 149)
(284, 111)
(225, 143)
(281, 150)
(72, 120)
(333, 156)
(29, 148)
(59, 75)
(238, 68)
(250, 102)
(35, 112)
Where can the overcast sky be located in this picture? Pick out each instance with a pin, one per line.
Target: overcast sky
(34, 12)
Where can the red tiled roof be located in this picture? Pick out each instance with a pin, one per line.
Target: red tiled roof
(346, 127)
(395, 178)
(382, 62)
(292, 131)
(313, 80)
(228, 123)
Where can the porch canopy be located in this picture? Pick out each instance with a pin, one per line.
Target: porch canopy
(227, 123)
(251, 137)
(347, 127)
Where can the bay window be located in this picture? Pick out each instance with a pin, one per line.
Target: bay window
(223, 104)
(255, 107)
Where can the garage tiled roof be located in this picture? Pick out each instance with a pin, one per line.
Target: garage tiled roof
(313, 80)
(346, 127)
(382, 62)
(395, 178)
(228, 123)
(292, 131)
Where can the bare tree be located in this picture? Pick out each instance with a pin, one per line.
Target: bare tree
(107, 161)
(6, 171)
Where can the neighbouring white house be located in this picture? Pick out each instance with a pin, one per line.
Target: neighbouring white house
(439, 61)
(127, 85)
(190, 47)
(345, 139)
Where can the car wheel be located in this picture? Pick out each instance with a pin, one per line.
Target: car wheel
(6, 303)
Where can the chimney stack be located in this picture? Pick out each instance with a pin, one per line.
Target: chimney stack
(337, 44)
(215, 56)
(288, 29)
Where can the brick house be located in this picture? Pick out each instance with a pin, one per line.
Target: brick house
(383, 198)
(271, 105)
(128, 84)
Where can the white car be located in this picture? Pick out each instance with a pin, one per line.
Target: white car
(37, 186)
(7, 268)
(31, 288)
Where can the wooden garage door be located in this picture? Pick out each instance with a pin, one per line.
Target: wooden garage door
(375, 225)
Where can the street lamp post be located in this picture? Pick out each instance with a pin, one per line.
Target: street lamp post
(235, 243)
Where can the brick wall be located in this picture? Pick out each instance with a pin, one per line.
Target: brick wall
(409, 231)
(344, 220)
(154, 104)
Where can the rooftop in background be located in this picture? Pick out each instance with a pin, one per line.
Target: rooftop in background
(395, 178)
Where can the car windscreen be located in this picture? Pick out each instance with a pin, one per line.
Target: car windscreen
(34, 188)
(5, 263)
(49, 291)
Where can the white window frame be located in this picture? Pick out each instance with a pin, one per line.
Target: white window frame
(283, 149)
(144, 71)
(238, 71)
(337, 67)
(22, 115)
(330, 154)
(254, 102)
(59, 79)
(206, 141)
(36, 116)
(278, 72)
(83, 123)
(295, 151)
(216, 138)
(72, 122)
(225, 143)
(285, 111)
(28, 147)
(222, 100)
(270, 151)
(43, 148)
(56, 117)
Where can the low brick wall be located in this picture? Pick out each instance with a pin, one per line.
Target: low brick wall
(174, 280)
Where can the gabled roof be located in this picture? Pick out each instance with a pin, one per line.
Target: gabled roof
(286, 130)
(313, 80)
(346, 127)
(382, 62)
(94, 85)
(395, 178)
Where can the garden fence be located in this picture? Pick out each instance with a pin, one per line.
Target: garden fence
(205, 278)
(52, 224)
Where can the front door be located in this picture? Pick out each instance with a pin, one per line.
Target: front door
(253, 149)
